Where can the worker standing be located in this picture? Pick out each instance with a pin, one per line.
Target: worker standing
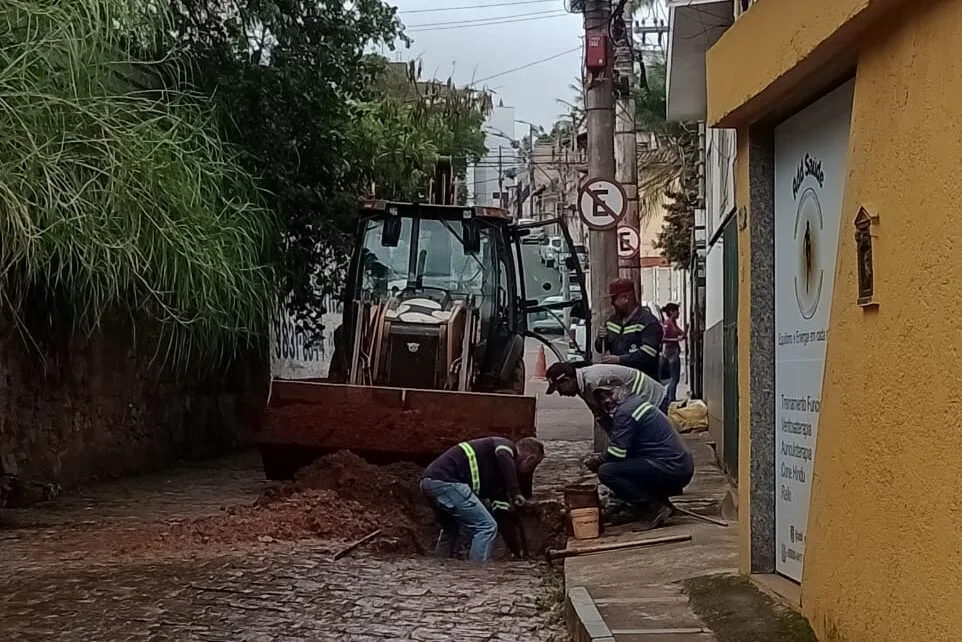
(582, 379)
(632, 335)
(646, 461)
(458, 482)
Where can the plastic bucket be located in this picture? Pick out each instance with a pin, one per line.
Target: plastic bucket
(581, 496)
(585, 522)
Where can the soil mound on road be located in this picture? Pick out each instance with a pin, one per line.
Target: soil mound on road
(279, 515)
(338, 497)
(389, 494)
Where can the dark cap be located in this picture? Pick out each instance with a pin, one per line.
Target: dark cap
(558, 371)
(621, 286)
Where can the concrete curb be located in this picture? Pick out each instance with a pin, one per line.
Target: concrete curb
(583, 619)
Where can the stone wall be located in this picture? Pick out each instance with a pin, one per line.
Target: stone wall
(95, 407)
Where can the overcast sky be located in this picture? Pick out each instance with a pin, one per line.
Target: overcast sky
(458, 43)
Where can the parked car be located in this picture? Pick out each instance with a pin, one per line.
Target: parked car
(577, 349)
(550, 249)
(537, 235)
(546, 323)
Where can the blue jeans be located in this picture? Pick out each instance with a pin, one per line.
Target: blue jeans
(674, 376)
(456, 506)
(642, 480)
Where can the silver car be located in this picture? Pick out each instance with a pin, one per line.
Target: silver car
(550, 249)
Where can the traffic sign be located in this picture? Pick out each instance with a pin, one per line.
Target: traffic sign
(602, 204)
(629, 242)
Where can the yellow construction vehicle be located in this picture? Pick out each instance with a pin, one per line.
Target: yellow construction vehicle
(430, 351)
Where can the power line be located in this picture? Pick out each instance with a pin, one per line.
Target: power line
(478, 6)
(561, 14)
(475, 20)
(525, 66)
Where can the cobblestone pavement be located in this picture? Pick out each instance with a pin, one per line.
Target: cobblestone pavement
(280, 596)
(277, 591)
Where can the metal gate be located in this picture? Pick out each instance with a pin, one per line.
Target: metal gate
(730, 343)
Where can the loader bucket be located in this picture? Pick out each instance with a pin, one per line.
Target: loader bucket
(306, 420)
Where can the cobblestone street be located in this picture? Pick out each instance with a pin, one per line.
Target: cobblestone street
(61, 582)
(293, 594)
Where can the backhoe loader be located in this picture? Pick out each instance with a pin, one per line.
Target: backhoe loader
(430, 351)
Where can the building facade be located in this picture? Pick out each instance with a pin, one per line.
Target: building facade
(554, 171)
(493, 178)
(694, 26)
(846, 115)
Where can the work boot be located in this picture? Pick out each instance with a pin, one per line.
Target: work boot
(614, 508)
(630, 512)
(656, 517)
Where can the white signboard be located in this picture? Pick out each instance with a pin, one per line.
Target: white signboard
(628, 242)
(811, 152)
(294, 355)
(601, 204)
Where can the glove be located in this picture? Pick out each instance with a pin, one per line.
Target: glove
(518, 501)
(592, 462)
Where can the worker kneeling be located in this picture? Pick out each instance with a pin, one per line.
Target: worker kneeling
(646, 462)
(487, 469)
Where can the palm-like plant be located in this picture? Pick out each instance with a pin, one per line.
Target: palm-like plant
(662, 169)
(114, 199)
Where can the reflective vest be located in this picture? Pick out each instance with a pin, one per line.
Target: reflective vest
(473, 465)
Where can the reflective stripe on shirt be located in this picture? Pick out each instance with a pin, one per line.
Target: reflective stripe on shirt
(641, 410)
(614, 451)
(473, 465)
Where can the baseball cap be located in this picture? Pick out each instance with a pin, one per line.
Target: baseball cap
(556, 372)
(621, 286)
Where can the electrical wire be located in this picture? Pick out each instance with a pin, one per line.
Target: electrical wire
(474, 20)
(486, 24)
(525, 66)
(477, 6)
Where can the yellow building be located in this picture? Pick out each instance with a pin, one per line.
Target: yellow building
(849, 139)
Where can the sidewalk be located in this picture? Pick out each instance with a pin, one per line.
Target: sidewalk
(639, 594)
(680, 592)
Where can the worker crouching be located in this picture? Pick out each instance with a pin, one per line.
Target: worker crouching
(457, 484)
(646, 462)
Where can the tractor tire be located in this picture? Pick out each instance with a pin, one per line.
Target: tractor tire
(515, 385)
(518, 378)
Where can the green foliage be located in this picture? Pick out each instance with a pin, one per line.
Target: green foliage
(321, 121)
(670, 173)
(114, 199)
(674, 239)
(403, 133)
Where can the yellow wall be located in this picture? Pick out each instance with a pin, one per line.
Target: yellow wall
(743, 221)
(883, 555)
(776, 46)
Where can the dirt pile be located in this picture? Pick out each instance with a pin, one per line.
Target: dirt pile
(282, 515)
(388, 493)
(340, 496)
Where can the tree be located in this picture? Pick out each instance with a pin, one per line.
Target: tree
(670, 172)
(321, 121)
(119, 201)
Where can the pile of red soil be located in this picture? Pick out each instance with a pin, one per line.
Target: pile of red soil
(286, 516)
(388, 493)
(338, 497)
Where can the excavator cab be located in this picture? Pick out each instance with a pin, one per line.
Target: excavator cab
(430, 351)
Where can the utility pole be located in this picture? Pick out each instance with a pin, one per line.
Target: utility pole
(501, 202)
(626, 159)
(600, 116)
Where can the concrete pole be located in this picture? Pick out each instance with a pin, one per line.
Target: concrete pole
(600, 116)
(626, 160)
(501, 199)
